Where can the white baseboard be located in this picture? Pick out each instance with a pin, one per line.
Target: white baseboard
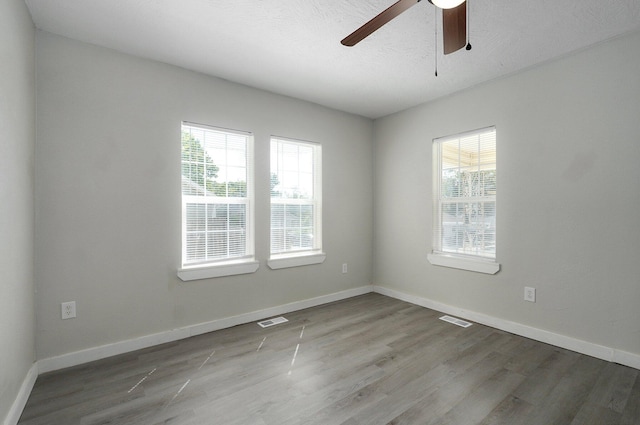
(96, 353)
(626, 358)
(548, 337)
(104, 351)
(23, 395)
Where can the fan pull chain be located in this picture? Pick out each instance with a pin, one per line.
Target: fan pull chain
(435, 37)
(468, 25)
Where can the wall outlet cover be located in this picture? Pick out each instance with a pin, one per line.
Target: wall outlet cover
(68, 310)
(530, 294)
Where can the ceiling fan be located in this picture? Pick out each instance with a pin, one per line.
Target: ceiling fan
(454, 23)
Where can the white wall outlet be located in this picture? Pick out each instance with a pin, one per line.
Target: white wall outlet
(529, 294)
(68, 310)
(345, 269)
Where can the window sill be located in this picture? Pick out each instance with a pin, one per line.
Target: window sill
(296, 260)
(480, 266)
(218, 270)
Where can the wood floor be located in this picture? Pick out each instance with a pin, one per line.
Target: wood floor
(367, 360)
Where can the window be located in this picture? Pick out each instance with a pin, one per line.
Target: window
(296, 203)
(217, 202)
(464, 227)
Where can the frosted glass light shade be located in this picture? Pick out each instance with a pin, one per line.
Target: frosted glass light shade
(447, 4)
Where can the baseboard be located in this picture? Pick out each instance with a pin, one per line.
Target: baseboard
(104, 351)
(23, 395)
(96, 353)
(548, 337)
(626, 358)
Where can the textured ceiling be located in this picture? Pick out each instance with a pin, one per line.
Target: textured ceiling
(292, 47)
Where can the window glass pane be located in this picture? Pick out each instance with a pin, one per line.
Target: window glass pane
(487, 183)
(451, 187)
(306, 237)
(215, 169)
(277, 227)
(290, 184)
(290, 238)
(465, 195)
(290, 157)
(277, 216)
(306, 215)
(306, 185)
(237, 242)
(217, 217)
(450, 155)
(292, 216)
(306, 159)
(196, 214)
(469, 227)
(218, 244)
(196, 246)
(237, 216)
(277, 239)
(295, 197)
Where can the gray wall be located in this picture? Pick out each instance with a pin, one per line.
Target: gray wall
(108, 196)
(568, 140)
(17, 140)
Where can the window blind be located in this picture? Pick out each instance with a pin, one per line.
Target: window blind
(296, 201)
(217, 194)
(465, 194)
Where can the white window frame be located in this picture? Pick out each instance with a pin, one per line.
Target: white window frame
(300, 256)
(232, 265)
(481, 262)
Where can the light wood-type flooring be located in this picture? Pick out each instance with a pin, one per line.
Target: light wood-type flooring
(363, 361)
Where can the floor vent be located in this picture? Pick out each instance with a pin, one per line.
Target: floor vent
(272, 322)
(456, 321)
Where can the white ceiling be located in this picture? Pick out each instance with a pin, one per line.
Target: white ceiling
(292, 47)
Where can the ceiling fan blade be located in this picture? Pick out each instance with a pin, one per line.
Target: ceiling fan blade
(454, 28)
(381, 19)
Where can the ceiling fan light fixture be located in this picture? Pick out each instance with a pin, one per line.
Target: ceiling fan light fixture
(447, 4)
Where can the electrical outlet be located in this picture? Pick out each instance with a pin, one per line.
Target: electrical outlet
(530, 294)
(68, 310)
(345, 268)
